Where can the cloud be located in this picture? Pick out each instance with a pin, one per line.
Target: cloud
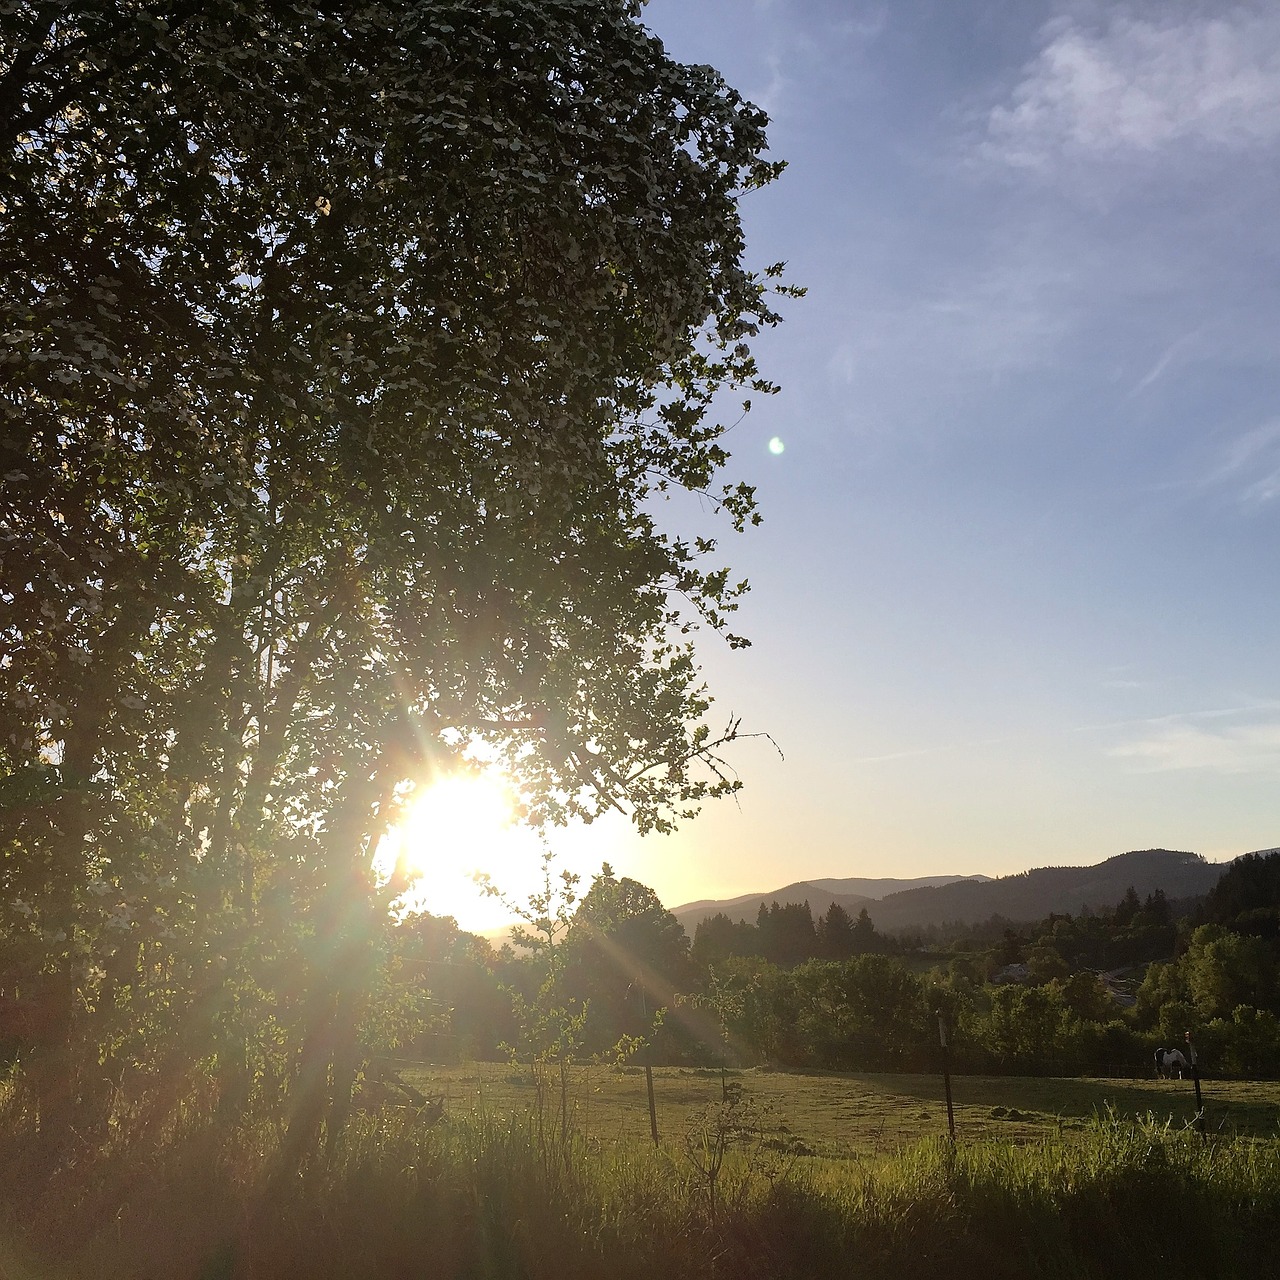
(863, 28)
(940, 749)
(769, 97)
(1178, 744)
(915, 347)
(1251, 465)
(1140, 85)
(794, 56)
(1167, 357)
(1094, 234)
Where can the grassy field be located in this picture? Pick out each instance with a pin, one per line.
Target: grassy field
(845, 1116)
(1035, 1189)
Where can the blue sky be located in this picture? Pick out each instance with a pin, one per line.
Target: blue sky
(1014, 602)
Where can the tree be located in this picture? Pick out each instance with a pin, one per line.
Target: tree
(1247, 897)
(786, 932)
(1162, 985)
(347, 349)
(627, 957)
(1029, 1030)
(1045, 963)
(460, 972)
(1087, 996)
(865, 1014)
(1223, 970)
(1127, 908)
(718, 937)
(864, 936)
(836, 937)
(1155, 909)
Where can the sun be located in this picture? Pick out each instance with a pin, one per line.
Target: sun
(458, 826)
(454, 818)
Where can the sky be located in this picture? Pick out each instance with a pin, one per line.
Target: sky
(1014, 600)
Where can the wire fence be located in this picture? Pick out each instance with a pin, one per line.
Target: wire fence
(841, 1114)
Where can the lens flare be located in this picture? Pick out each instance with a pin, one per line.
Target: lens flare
(458, 826)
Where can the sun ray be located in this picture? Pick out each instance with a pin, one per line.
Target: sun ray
(455, 827)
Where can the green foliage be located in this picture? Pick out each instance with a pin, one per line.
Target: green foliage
(471, 1014)
(345, 350)
(550, 1023)
(1248, 894)
(718, 937)
(1223, 988)
(626, 957)
(787, 935)
(1028, 1030)
(1087, 996)
(738, 1121)
(1223, 970)
(864, 1014)
(1126, 1199)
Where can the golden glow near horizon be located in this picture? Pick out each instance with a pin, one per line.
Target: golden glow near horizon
(468, 822)
(461, 825)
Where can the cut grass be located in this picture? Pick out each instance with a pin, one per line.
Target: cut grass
(477, 1197)
(845, 1116)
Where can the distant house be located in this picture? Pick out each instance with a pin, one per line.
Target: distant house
(1012, 973)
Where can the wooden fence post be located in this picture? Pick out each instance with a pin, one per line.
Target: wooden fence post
(653, 1110)
(1195, 1078)
(648, 1067)
(946, 1075)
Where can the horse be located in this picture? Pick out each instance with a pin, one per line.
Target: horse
(1170, 1060)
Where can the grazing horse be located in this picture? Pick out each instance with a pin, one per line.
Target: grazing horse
(1168, 1061)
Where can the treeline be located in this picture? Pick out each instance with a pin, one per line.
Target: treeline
(1085, 994)
(789, 935)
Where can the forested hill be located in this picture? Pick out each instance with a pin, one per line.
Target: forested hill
(1029, 895)
(1032, 895)
(852, 893)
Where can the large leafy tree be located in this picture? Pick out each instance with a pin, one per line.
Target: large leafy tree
(345, 349)
(627, 959)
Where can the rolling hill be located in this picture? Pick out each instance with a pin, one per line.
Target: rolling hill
(1026, 896)
(852, 893)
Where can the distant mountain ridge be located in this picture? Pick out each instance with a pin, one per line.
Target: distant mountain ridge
(1024, 897)
(851, 892)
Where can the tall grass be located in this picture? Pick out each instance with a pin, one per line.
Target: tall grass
(484, 1197)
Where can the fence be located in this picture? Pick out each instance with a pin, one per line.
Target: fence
(848, 1115)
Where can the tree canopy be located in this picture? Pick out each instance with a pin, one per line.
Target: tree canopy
(627, 958)
(347, 348)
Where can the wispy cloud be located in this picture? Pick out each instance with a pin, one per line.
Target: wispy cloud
(992, 318)
(1245, 749)
(1251, 465)
(1236, 739)
(940, 749)
(1167, 357)
(769, 97)
(1185, 717)
(795, 56)
(1136, 85)
(1232, 740)
(863, 27)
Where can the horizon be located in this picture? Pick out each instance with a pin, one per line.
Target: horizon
(491, 923)
(1011, 600)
